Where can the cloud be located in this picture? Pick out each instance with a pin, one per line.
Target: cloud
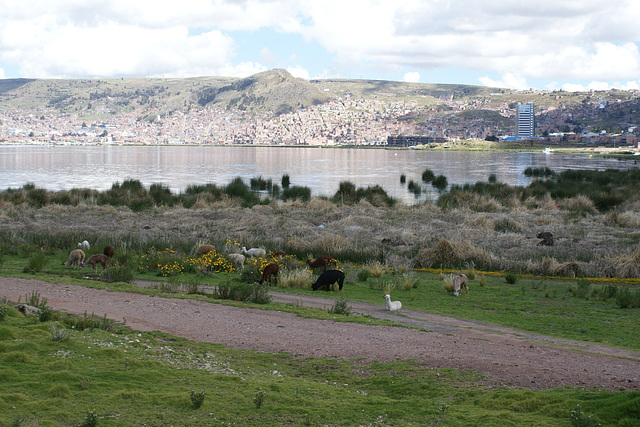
(298, 71)
(598, 85)
(411, 77)
(509, 80)
(568, 41)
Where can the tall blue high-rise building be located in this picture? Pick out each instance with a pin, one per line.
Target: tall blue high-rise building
(525, 120)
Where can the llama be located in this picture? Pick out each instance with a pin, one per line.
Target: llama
(254, 252)
(108, 251)
(392, 305)
(76, 257)
(278, 254)
(460, 282)
(84, 245)
(322, 261)
(96, 259)
(328, 278)
(271, 270)
(204, 249)
(237, 260)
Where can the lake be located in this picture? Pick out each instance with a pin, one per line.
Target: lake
(321, 169)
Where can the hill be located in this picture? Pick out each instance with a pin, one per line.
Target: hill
(344, 111)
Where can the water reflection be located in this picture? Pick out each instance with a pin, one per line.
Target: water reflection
(321, 169)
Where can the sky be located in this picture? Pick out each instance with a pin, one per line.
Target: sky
(543, 44)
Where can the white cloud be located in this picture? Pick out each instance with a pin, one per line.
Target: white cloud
(298, 71)
(564, 41)
(509, 80)
(596, 85)
(243, 69)
(411, 77)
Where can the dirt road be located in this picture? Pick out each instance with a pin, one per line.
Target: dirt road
(503, 356)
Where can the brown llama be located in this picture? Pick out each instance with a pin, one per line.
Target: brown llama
(271, 270)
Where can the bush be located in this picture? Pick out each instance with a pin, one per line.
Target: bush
(511, 278)
(362, 275)
(582, 288)
(341, 307)
(246, 292)
(37, 262)
(440, 182)
(4, 309)
(46, 313)
(625, 298)
(197, 398)
(296, 192)
(118, 273)
(428, 175)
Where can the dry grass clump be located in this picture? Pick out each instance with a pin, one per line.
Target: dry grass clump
(332, 243)
(448, 282)
(408, 281)
(375, 268)
(482, 222)
(298, 278)
(454, 254)
(628, 219)
(624, 265)
(579, 203)
(546, 203)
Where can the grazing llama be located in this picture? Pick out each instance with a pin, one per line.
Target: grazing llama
(254, 252)
(271, 270)
(460, 282)
(84, 245)
(76, 257)
(321, 261)
(96, 259)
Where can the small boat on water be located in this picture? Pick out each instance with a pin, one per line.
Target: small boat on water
(547, 150)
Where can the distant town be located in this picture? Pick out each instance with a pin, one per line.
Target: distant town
(600, 119)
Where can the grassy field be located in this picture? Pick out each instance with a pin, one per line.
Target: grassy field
(54, 371)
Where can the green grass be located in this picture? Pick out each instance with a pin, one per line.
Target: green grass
(108, 374)
(533, 304)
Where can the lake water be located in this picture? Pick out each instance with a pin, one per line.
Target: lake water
(321, 169)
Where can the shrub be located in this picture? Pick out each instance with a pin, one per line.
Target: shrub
(59, 334)
(90, 419)
(448, 283)
(197, 398)
(118, 273)
(362, 275)
(408, 281)
(440, 182)
(625, 298)
(375, 269)
(428, 175)
(46, 313)
(403, 178)
(296, 192)
(511, 278)
(582, 288)
(4, 309)
(414, 188)
(341, 307)
(37, 262)
(258, 398)
(285, 181)
(295, 279)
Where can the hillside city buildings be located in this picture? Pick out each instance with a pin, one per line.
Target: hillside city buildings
(345, 120)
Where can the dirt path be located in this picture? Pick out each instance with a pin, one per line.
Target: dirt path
(505, 357)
